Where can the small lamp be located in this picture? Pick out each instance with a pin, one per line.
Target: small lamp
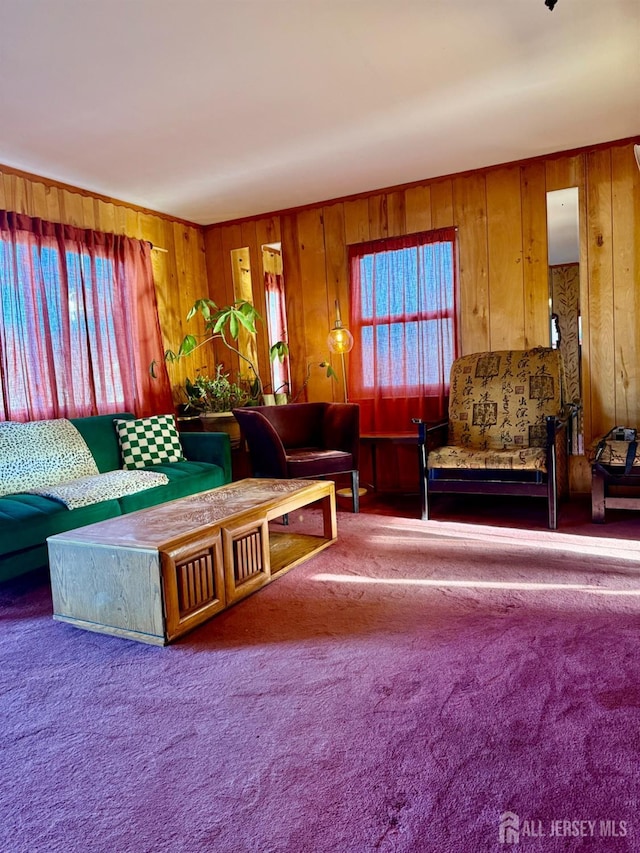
(340, 341)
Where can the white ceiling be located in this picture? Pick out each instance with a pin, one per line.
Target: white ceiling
(215, 109)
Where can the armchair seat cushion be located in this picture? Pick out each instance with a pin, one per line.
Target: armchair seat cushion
(313, 462)
(512, 459)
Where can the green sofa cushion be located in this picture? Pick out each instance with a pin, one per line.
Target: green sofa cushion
(26, 520)
(185, 478)
(100, 434)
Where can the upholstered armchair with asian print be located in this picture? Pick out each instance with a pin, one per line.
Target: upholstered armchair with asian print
(506, 432)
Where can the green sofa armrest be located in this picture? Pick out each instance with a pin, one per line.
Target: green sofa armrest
(208, 447)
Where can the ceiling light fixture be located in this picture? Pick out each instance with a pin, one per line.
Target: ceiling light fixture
(550, 4)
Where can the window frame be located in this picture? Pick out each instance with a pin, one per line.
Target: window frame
(422, 315)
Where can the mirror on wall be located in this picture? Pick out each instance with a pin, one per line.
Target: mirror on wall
(563, 240)
(276, 313)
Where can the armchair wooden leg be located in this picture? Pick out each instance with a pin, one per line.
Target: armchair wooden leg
(552, 488)
(553, 508)
(355, 490)
(422, 457)
(424, 498)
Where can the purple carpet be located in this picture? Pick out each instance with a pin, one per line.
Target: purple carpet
(401, 691)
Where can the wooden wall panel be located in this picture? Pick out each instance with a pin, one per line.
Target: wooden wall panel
(337, 283)
(470, 207)
(535, 267)
(418, 209)
(506, 283)
(396, 214)
(378, 222)
(625, 181)
(600, 299)
(356, 221)
(317, 319)
(442, 204)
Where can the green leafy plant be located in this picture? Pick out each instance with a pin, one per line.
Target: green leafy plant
(325, 365)
(214, 393)
(224, 324)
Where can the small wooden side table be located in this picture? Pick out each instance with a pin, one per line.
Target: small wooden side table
(373, 439)
(603, 477)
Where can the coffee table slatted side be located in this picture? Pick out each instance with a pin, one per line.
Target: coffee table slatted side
(193, 584)
(246, 557)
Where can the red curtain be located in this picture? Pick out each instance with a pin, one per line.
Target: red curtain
(79, 326)
(277, 326)
(404, 324)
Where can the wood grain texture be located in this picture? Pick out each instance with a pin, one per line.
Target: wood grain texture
(356, 221)
(396, 214)
(337, 282)
(418, 209)
(506, 281)
(470, 206)
(120, 589)
(535, 270)
(600, 272)
(625, 179)
(378, 220)
(317, 319)
(442, 204)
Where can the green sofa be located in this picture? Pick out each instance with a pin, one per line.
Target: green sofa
(26, 520)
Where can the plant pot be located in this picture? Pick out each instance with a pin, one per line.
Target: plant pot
(281, 399)
(268, 400)
(222, 422)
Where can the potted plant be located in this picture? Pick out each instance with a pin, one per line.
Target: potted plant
(212, 398)
(214, 394)
(224, 324)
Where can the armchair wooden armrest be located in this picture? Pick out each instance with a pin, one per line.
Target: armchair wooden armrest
(427, 428)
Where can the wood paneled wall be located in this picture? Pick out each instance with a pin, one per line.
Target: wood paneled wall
(179, 273)
(500, 214)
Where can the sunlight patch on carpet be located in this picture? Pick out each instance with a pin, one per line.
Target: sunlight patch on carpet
(475, 584)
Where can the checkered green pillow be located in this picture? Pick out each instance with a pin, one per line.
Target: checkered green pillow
(148, 441)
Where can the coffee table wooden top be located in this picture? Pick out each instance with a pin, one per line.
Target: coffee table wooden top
(162, 524)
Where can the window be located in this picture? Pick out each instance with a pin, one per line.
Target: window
(404, 321)
(79, 326)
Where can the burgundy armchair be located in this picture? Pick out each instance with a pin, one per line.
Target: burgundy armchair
(308, 440)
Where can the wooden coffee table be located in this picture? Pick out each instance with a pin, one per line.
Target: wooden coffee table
(155, 574)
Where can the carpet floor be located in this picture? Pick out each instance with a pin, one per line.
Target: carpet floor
(401, 691)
